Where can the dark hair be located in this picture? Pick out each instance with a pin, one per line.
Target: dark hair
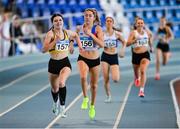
(117, 29)
(110, 18)
(139, 18)
(169, 24)
(55, 15)
(163, 17)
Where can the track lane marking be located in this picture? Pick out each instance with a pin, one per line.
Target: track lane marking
(22, 78)
(121, 109)
(24, 100)
(176, 107)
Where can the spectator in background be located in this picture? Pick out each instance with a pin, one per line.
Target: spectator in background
(29, 29)
(5, 34)
(15, 32)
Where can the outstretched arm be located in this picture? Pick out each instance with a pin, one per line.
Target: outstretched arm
(75, 36)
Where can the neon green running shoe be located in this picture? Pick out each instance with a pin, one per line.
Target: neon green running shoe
(92, 112)
(84, 104)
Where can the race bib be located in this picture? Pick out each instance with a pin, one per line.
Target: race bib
(161, 35)
(142, 42)
(110, 43)
(87, 43)
(62, 45)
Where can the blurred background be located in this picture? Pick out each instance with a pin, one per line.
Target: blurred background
(23, 23)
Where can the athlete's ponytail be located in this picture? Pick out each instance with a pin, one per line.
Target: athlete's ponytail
(117, 29)
(97, 19)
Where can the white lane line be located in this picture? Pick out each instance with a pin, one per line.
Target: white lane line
(28, 98)
(21, 78)
(122, 106)
(120, 111)
(18, 57)
(31, 96)
(28, 63)
(24, 100)
(167, 70)
(26, 75)
(20, 65)
(175, 100)
(126, 97)
(68, 107)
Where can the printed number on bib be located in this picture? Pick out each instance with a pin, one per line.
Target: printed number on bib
(87, 43)
(142, 42)
(110, 43)
(161, 36)
(62, 46)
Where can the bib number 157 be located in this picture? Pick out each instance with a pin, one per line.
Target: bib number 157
(62, 47)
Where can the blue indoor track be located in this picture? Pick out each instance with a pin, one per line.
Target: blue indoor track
(26, 102)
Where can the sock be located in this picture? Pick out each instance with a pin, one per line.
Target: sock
(55, 96)
(142, 89)
(157, 74)
(62, 95)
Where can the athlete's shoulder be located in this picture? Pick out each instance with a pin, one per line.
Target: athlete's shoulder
(167, 28)
(50, 33)
(134, 32)
(117, 33)
(65, 31)
(70, 33)
(98, 26)
(98, 29)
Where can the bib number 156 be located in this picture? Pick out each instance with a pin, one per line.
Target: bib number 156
(87, 43)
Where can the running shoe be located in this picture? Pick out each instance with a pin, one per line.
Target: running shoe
(141, 94)
(157, 76)
(55, 108)
(92, 112)
(137, 82)
(62, 111)
(108, 99)
(84, 104)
